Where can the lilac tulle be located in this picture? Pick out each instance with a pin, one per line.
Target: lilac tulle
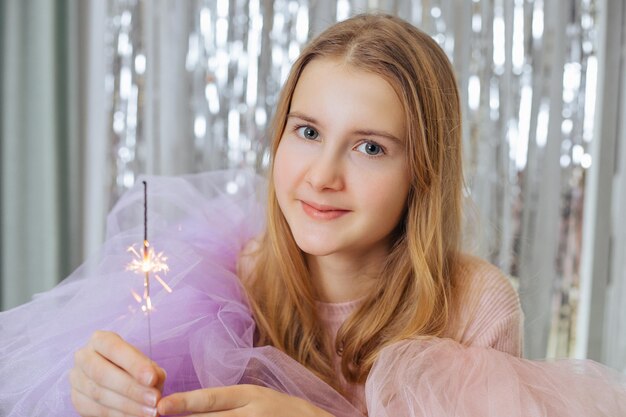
(202, 332)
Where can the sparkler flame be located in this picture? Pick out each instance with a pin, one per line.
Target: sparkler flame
(146, 263)
(151, 262)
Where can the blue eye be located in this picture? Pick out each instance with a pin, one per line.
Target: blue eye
(307, 132)
(370, 148)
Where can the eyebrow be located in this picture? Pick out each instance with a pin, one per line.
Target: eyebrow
(364, 132)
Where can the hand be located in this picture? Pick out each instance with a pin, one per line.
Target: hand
(238, 401)
(113, 378)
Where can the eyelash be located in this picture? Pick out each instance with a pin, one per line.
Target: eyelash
(382, 148)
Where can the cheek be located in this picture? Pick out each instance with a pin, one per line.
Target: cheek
(290, 162)
(283, 170)
(388, 196)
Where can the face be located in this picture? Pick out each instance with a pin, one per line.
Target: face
(340, 170)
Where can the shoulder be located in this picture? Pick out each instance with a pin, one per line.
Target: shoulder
(247, 259)
(477, 279)
(486, 309)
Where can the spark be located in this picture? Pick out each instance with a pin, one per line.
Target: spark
(151, 262)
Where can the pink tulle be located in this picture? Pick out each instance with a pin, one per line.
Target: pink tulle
(440, 377)
(202, 333)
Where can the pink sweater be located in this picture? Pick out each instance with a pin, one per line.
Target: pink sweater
(488, 315)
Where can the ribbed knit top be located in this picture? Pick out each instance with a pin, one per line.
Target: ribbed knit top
(487, 314)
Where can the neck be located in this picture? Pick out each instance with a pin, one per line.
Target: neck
(339, 278)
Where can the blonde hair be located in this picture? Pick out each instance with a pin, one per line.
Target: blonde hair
(413, 295)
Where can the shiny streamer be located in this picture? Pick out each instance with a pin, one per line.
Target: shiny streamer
(527, 74)
(123, 84)
(239, 53)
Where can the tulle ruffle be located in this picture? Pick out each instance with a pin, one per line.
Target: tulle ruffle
(439, 377)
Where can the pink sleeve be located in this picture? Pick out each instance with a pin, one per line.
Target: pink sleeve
(506, 333)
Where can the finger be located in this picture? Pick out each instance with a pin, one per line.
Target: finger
(93, 371)
(126, 356)
(161, 377)
(208, 399)
(86, 407)
(110, 400)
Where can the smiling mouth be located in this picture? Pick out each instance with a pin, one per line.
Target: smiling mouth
(321, 212)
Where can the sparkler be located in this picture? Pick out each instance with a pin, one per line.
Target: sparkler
(146, 263)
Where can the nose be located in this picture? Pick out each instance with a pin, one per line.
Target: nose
(325, 171)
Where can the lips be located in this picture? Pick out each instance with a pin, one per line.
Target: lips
(322, 211)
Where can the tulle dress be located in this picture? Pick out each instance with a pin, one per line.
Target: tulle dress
(202, 332)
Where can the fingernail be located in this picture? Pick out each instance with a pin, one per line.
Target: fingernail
(149, 412)
(150, 398)
(147, 377)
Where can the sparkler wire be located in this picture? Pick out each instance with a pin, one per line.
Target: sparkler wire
(146, 281)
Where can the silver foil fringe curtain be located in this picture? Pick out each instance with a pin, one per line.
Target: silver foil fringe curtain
(191, 86)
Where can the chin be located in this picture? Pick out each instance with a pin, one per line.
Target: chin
(314, 247)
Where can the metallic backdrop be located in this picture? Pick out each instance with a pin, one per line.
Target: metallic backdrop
(191, 86)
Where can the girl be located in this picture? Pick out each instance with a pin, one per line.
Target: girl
(357, 299)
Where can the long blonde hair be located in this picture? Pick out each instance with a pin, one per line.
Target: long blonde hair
(413, 293)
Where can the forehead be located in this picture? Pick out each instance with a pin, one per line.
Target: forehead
(339, 94)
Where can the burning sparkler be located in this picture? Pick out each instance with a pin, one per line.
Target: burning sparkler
(146, 263)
